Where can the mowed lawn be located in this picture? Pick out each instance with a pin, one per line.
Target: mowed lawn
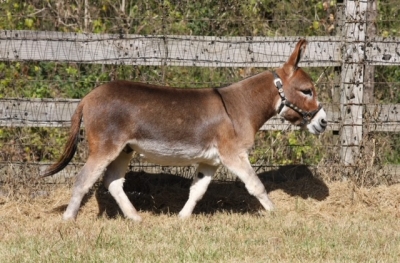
(314, 222)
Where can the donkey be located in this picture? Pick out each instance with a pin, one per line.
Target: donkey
(180, 127)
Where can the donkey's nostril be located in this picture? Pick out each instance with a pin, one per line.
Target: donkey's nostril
(323, 122)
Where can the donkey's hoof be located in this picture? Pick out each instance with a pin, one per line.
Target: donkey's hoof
(136, 218)
(68, 217)
(270, 207)
(183, 216)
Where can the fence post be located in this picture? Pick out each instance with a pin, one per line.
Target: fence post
(371, 16)
(86, 16)
(352, 79)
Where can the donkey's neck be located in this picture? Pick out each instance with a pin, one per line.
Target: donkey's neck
(251, 102)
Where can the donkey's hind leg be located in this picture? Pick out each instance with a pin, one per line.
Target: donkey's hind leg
(199, 186)
(114, 180)
(89, 174)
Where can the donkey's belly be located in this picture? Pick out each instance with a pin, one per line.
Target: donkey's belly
(175, 154)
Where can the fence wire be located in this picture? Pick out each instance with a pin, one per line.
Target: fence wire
(54, 53)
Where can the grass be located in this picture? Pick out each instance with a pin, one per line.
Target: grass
(339, 224)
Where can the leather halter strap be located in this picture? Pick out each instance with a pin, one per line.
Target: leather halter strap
(307, 115)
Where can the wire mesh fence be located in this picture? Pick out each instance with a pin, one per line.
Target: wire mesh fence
(53, 53)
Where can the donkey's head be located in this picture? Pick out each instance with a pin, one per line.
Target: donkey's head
(298, 99)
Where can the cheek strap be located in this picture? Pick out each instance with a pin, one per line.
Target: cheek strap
(306, 115)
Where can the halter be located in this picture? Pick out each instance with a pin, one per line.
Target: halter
(307, 115)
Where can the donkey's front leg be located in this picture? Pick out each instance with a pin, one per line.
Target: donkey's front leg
(241, 167)
(199, 186)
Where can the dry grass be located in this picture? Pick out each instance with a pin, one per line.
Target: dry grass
(314, 222)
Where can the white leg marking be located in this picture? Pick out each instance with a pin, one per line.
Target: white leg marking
(241, 167)
(197, 190)
(114, 181)
(119, 195)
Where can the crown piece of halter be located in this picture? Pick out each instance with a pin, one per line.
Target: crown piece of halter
(307, 115)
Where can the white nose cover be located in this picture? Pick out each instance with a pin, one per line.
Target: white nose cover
(315, 126)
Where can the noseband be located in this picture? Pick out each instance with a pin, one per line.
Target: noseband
(307, 115)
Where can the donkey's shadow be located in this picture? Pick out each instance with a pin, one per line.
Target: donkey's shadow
(165, 193)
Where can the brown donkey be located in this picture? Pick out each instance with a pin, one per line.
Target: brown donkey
(180, 127)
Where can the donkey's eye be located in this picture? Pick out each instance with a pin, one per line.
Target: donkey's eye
(307, 92)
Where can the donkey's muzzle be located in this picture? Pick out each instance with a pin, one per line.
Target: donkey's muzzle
(318, 123)
(323, 123)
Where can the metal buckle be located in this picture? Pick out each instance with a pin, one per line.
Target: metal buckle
(278, 82)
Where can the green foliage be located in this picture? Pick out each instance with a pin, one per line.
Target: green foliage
(388, 23)
(285, 148)
(12, 17)
(387, 84)
(31, 144)
(228, 17)
(168, 17)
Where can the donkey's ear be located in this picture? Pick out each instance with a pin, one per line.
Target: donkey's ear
(294, 59)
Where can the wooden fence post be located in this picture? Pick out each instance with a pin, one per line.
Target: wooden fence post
(352, 77)
(86, 15)
(371, 16)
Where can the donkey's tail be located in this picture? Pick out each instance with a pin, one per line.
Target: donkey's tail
(71, 146)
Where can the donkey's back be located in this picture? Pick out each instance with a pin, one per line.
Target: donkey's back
(167, 126)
